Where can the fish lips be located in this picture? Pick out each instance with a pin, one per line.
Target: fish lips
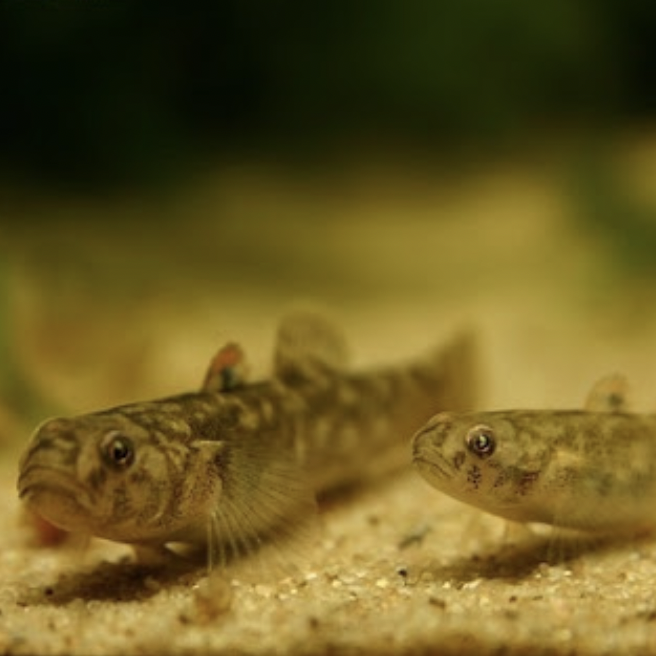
(53, 495)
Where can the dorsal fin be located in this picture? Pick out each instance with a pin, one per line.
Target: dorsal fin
(227, 369)
(307, 346)
(610, 394)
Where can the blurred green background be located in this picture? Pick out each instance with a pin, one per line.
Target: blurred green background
(103, 93)
(166, 165)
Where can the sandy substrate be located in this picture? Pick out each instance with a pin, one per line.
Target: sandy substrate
(402, 570)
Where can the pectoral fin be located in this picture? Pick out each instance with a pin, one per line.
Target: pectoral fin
(266, 499)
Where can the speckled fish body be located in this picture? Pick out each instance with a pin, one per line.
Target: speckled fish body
(588, 470)
(235, 462)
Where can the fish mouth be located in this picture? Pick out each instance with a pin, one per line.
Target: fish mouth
(432, 469)
(427, 457)
(38, 477)
(53, 495)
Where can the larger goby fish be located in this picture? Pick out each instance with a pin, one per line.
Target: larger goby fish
(237, 464)
(592, 470)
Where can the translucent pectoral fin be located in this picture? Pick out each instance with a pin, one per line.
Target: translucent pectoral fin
(266, 505)
(610, 394)
(155, 556)
(308, 345)
(516, 532)
(565, 545)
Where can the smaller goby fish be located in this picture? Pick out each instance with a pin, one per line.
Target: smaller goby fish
(592, 470)
(237, 464)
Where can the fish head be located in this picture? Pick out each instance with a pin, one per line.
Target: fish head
(107, 475)
(477, 458)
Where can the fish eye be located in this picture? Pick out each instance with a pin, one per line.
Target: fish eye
(480, 441)
(117, 450)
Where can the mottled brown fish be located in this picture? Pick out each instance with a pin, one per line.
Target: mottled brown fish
(237, 464)
(592, 470)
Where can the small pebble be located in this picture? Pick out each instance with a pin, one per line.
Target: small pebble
(212, 599)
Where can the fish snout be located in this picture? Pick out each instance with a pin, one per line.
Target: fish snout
(53, 445)
(47, 481)
(428, 451)
(432, 435)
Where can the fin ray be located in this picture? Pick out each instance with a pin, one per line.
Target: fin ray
(266, 502)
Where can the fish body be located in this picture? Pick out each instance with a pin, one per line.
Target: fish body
(591, 470)
(237, 463)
